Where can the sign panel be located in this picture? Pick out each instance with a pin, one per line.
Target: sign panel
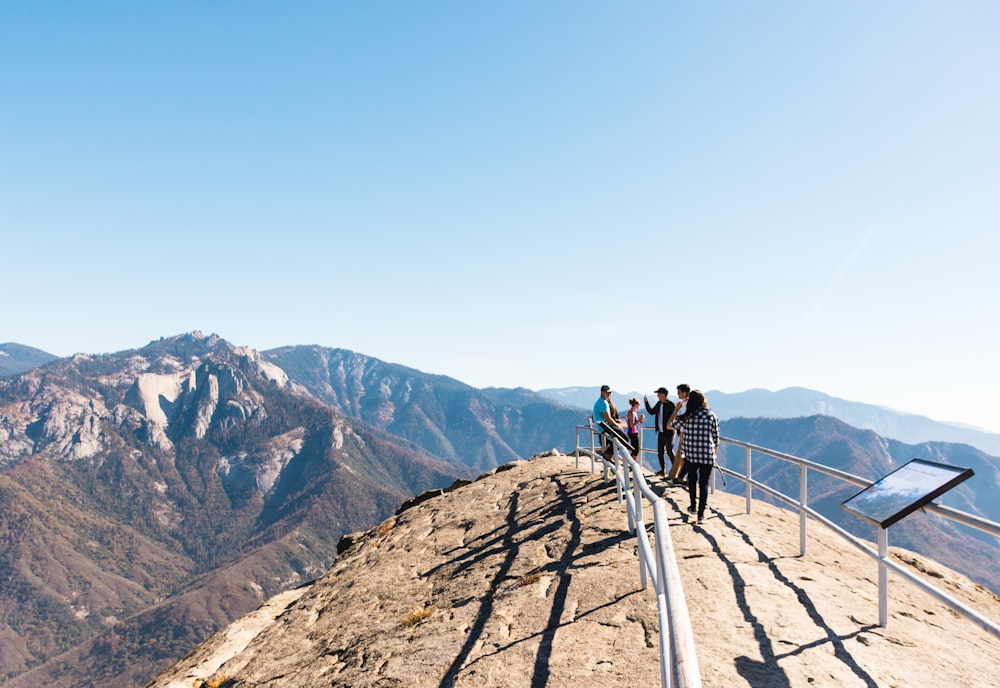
(905, 490)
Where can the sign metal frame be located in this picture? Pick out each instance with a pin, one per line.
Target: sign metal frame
(904, 490)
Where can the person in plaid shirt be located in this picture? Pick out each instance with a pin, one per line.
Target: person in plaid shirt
(699, 428)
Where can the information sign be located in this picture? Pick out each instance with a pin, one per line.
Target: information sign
(905, 490)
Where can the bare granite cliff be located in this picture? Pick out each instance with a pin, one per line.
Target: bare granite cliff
(527, 577)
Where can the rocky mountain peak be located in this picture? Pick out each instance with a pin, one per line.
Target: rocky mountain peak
(166, 490)
(188, 381)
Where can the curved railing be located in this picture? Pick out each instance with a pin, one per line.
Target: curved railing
(679, 664)
(882, 555)
(657, 563)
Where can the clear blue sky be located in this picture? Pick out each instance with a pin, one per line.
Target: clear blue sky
(763, 194)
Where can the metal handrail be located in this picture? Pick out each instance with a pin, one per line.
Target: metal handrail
(678, 658)
(971, 520)
(885, 564)
(677, 647)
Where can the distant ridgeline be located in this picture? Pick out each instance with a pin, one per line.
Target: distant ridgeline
(796, 402)
(17, 358)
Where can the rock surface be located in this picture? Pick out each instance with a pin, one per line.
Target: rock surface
(528, 577)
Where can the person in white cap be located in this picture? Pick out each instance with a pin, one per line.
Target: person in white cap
(604, 409)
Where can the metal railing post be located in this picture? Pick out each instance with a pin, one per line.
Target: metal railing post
(640, 520)
(803, 516)
(620, 479)
(625, 486)
(592, 450)
(749, 475)
(638, 450)
(640, 524)
(883, 577)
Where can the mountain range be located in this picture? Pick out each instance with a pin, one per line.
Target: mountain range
(790, 402)
(150, 496)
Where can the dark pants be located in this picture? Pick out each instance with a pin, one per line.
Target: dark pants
(698, 475)
(665, 442)
(607, 445)
(682, 474)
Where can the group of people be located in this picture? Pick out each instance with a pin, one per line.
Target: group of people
(696, 427)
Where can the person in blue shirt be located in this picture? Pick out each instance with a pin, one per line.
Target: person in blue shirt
(604, 409)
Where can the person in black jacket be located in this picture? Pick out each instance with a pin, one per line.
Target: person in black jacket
(661, 411)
